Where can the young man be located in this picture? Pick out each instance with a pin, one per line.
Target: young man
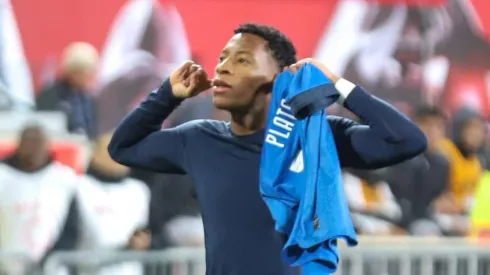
(224, 158)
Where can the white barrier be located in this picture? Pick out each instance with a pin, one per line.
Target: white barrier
(374, 256)
(175, 261)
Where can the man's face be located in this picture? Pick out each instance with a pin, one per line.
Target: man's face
(83, 78)
(473, 134)
(434, 129)
(33, 146)
(246, 69)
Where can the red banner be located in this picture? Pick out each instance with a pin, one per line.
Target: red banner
(440, 47)
(419, 3)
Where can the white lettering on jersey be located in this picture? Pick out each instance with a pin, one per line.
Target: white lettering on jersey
(283, 123)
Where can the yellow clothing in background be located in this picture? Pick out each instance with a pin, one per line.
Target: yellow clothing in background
(480, 214)
(371, 194)
(465, 173)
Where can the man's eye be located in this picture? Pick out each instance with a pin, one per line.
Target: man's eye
(243, 61)
(221, 59)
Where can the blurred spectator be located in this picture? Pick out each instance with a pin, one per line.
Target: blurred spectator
(35, 200)
(484, 152)
(113, 209)
(174, 212)
(71, 92)
(373, 207)
(465, 169)
(175, 217)
(419, 183)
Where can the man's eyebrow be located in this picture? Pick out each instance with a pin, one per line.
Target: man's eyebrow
(240, 51)
(244, 52)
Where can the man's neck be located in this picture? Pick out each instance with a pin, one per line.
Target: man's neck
(249, 122)
(30, 166)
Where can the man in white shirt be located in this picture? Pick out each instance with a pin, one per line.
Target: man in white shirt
(36, 198)
(112, 209)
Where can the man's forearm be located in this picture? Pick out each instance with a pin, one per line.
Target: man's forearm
(149, 116)
(141, 123)
(390, 138)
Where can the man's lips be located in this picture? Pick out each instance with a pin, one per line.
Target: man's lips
(220, 86)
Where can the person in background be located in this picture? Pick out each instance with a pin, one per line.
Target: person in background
(418, 184)
(36, 202)
(107, 220)
(70, 93)
(465, 169)
(175, 217)
(484, 152)
(373, 207)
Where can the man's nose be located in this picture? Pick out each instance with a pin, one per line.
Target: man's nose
(224, 67)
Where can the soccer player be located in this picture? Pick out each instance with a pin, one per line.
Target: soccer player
(224, 158)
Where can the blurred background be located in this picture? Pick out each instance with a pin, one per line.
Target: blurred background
(71, 70)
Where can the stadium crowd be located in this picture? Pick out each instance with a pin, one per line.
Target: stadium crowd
(46, 206)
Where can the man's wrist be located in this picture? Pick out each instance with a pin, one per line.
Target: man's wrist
(344, 87)
(165, 92)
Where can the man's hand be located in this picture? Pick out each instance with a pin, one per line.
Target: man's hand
(189, 80)
(295, 67)
(141, 240)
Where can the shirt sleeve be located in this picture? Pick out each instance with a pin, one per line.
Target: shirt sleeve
(140, 142)
(383, 137)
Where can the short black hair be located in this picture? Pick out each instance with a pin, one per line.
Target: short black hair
(281, 47)
(426, 111)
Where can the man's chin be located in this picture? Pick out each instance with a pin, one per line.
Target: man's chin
(220, 104)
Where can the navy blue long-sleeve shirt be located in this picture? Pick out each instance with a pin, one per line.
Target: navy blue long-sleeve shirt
(239, 230)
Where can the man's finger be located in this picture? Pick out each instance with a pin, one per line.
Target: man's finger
(295, 67)
(186, 82)
(182, 71)
(193, 81)
(305, 60)
(204, 81)
(190, 70)
(184, 67)
(194, 68)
